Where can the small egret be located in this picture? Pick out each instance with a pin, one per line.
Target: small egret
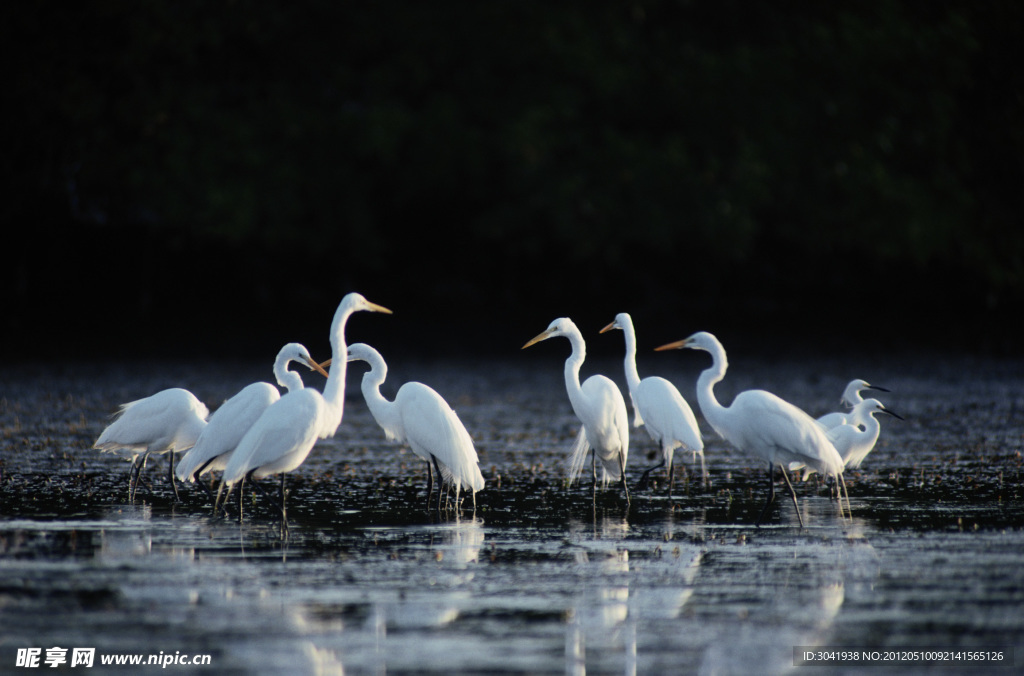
(851, 397)
(659, 406)
(169, 421)
(282, 437)
(232, 420)
(599, 405)
(761, 423)
(420, 417)
(854, 443)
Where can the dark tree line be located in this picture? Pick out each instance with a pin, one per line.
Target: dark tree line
(518, 159)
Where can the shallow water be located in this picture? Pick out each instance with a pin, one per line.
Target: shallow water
(540, 578)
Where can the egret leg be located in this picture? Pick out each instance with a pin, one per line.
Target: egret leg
(643, 478)
(266, 495)
(440, 482)
(771, 493)
(170, 475)
(139, 479)
(703, 469)
(792, 494)
(430, 483)
(196, 479)
(131, 479)
(593, 471)
(622, 474)
(671, 475)
(284, 510)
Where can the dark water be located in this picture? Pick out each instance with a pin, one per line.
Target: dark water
(540, 578)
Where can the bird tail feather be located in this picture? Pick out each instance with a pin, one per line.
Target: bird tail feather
(579, 455)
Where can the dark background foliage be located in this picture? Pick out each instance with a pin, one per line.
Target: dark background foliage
(205, 178)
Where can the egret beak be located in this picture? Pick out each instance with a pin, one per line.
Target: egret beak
(317, 367)
(611, 326)
(326, 364)
(537, 339)
(879, 388)
(678, 345)
(893, 414)
(373, 307)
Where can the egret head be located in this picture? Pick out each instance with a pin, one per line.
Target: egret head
(622, 320)
(298, 352)
(872, 406)
(357, 302)
(562, 326)
(702, 340)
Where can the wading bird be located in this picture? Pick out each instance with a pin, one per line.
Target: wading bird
(599, 405)
(854, 443)
(851, 397)
(761, 423)
(232, 420)
(420, 417)
(658, 406)
(283, 436)
(169, 422)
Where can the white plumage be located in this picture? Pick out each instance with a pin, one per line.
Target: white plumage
(854, 443)
(658, 406)
(232, 420)
(420, 417)
(761, 423)
(851, 397)
(598, 404)
(284, 434)
(168, 421)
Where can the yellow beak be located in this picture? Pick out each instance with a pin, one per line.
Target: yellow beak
(678, 345)
(373, 307)
(608, 328)
(537, 339)
(317, 367)
(326, 364)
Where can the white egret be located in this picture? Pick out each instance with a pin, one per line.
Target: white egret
(854, 443)
(851, 397)
(599, 405)
(232, 420)
(282, 437)
(659, 406)
(169, 421)
(761, 423)
(420, 417)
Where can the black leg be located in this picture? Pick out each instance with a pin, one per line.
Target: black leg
(170, 475)
(593, 471)
(622, 475)
(643, 479)
(430, 483)
(671, 475)
(440, 483)
(792, 494)
(132, 480)
(771, 493)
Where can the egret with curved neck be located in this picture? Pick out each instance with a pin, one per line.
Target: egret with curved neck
(854, 443)
(232, 420)
(284, 434)
(851, 397)
(761, 423)
(599, 405)
(420, 417)
(659, 406)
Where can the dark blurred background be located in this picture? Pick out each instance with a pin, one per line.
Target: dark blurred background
(208, 178)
